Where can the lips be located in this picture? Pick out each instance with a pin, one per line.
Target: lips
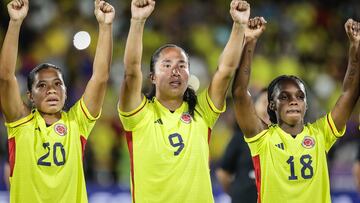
(175, 83)
(52, 100)
(293, 111)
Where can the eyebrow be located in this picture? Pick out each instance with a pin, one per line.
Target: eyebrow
(46, 80)
(287, 92)
(169, 61)
(166, 61)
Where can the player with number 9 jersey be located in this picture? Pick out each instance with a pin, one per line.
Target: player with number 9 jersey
(300, 163)
(42, 156)
(168, 130)
(169, 151)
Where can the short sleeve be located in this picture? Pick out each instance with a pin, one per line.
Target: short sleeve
(84, 119)
(133, 119)
(257, 142)
(330, 132)
(12, 126)
(209, 111)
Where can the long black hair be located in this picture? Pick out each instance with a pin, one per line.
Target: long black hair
(37, 69)
(189, 95)
(274, 85)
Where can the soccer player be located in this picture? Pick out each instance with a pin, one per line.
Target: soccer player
(46, 144)
(289, 156)
(168, 131)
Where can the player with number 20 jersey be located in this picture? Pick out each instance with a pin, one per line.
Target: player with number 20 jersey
(43, 156)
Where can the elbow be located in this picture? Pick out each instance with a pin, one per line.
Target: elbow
(130, 61)
(101, 79)
(6, 76)
(239, 92)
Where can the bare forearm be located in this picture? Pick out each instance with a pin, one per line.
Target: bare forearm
(350, 93)
(242, 78)
(352, 76)
(10, 50)
(134, 47)
(103, 55)
(232, 52)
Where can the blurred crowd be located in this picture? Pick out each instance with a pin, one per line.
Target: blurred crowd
(304, 38)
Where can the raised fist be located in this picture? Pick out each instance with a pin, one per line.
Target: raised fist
(240, 11)
(104, 12)
(18, 9)
(352, 29)
(255, 28)
(141, 9)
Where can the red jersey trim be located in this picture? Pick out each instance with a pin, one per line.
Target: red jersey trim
(331, 127)
(135, 111)
(12, 153)
(83, 110)
(257, 168)
(129, 141)
(83, 144)
(209, 135)
(22, 123)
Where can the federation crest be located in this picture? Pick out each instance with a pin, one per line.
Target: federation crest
(308, 142)
(60, 129)
(186, 118)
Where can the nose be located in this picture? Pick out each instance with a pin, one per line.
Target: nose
(175, 71)
(293, 100)
(51, 90)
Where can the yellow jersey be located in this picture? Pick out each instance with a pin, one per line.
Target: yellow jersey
(294, 170)
(169, 152)
(46, 162)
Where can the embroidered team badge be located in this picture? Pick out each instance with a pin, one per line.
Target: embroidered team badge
(308, 142)
(186, 118)
(60, 129)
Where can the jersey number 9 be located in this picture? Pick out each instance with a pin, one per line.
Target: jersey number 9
(176, 141)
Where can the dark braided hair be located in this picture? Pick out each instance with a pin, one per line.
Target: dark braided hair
(189, 95)
(274, 85)
(37, 69)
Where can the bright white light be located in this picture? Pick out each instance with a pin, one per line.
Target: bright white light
(194, 82)
(82, 40)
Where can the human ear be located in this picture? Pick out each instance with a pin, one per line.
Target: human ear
(152, 78)
(30, 97)
(272, 106)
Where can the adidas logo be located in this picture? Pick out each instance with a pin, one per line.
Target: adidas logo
(281, 146)
(159, 121)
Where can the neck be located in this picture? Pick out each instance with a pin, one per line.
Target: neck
(51, 118)
(171, 104)
(292, 129)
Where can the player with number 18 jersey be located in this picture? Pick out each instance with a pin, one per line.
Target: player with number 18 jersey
(169, 151)
(288, 167)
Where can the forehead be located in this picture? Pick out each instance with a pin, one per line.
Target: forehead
(48, 74)
(289, 86)
(172, 53)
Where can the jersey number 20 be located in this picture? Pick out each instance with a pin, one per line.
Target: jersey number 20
(56, 146)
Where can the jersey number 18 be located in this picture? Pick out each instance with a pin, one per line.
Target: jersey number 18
(307, 170)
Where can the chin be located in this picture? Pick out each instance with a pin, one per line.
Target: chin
(294, 121)
(51, 110)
